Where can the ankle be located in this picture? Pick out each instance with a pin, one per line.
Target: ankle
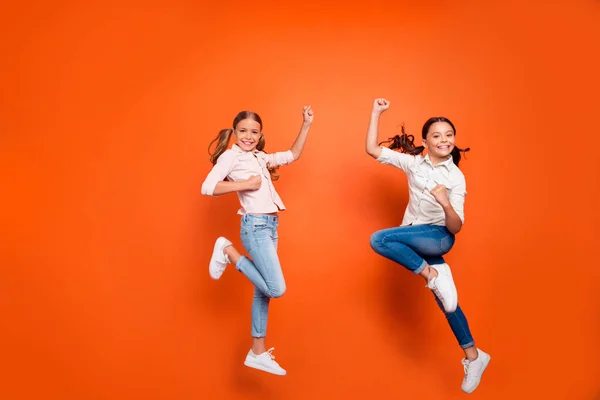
(433, 272)
(227, 253)
(429, 273)
(471, 354)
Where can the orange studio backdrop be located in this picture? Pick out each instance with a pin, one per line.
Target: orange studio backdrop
(106, 113)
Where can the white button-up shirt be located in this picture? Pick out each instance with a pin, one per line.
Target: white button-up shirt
(238, 165)
(422, 177)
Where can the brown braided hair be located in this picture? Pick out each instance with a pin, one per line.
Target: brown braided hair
(405, 143)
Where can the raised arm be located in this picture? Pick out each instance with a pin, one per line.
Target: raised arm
(298, 145)
(379, 106)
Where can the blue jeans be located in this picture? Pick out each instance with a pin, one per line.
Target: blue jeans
(416, 246)
(259, 237)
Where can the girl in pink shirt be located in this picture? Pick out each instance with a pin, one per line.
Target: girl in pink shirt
(250, 173)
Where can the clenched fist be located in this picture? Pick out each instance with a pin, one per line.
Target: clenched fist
(440, 195)
(380, 105)
(253, 183)
(307, 114)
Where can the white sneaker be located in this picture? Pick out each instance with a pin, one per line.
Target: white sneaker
(264, 362)
(443, 287)
(219, 259)
(473, 371)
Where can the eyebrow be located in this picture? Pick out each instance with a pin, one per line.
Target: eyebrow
(450, 130)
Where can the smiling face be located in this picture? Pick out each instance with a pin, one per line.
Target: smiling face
(439, 140)
(248, 133)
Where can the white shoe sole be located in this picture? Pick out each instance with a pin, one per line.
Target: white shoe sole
(251, 364)
(485, 365)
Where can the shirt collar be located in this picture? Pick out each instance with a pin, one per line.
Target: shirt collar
(446, 163)
(237, 149)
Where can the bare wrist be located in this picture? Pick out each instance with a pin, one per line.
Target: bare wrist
(447, 207)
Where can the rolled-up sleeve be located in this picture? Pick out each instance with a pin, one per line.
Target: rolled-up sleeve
(457, 197)
(280, 158)
(219, 172)
(399, 160)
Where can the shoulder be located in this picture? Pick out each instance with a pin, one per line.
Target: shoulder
(389, 154)
(228, 156)
(456, 174)
(418, 159)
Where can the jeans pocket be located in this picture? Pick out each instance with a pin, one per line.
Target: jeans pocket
(259, 226)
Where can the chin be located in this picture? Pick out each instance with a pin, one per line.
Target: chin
(445, 153)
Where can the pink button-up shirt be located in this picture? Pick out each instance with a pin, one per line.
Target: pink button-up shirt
(239, 165)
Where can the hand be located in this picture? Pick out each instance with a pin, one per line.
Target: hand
(253, 183)
(307, 113)
(380, 105)
(440, 195)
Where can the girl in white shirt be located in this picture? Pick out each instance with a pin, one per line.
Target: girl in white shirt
(434, 215)
(250, 173)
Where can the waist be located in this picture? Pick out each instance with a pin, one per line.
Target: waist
(255, 217)
(260, 202)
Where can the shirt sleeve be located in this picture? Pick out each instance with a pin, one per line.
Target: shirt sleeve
(280, 158)
(398, 160)
(219, 172)
(457, 197)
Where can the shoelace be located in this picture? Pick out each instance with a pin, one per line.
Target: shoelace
(467, 368)
(221, 268)
(269, 354)
(431, 285)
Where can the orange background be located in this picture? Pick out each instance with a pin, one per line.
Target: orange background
(106, 112)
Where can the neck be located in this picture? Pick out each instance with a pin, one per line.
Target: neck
(436, 160)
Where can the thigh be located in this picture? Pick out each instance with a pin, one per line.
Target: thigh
(426, 240)
(260, 241)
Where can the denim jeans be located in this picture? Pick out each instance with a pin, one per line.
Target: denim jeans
(259, 237)
(416, 246)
